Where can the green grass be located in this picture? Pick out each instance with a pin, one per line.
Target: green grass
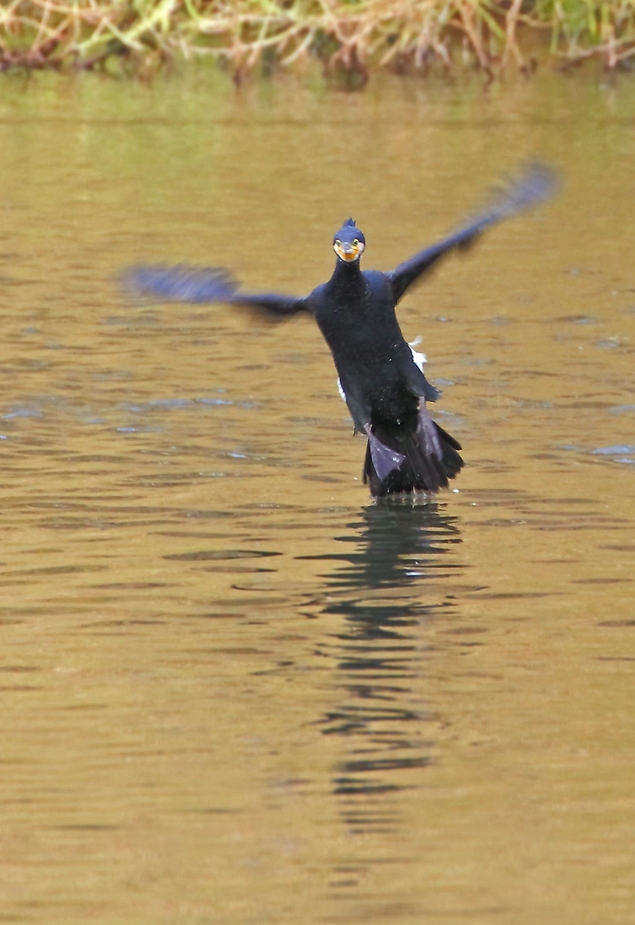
(348, 36)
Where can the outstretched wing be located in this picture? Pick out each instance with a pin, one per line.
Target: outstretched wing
(199, 285)
(536, 185)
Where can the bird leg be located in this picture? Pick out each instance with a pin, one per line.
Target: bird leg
(384, 459)
(429, 430)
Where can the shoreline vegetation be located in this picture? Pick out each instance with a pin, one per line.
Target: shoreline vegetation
(349, 37)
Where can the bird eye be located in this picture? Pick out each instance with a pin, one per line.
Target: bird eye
(337, 242)
(356, 242)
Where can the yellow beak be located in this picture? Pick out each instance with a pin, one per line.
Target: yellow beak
(348, 252)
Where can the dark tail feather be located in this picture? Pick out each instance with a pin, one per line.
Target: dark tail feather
(424, 467)
(447, 438)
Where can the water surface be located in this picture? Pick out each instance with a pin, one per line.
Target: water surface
(233, 689)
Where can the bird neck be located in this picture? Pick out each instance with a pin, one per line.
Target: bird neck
(346, 276)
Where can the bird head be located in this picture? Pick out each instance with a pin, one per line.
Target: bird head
(349, 242)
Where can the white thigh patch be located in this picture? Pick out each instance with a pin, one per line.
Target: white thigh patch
(419, 358)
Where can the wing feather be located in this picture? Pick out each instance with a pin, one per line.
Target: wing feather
(537, 184)
(204, 285)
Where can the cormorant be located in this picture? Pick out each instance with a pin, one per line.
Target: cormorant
(383, 385)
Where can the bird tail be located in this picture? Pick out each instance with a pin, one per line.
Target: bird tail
(424, 460)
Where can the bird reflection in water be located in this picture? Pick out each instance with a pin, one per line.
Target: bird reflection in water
(386, 587)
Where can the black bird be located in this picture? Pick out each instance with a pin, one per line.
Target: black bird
(385, 390)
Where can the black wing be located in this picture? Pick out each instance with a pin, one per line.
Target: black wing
(200, 285)
(537, 184)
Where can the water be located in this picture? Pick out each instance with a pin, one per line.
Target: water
(233, 690)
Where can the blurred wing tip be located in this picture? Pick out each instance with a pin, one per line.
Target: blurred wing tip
(179, 283)
(541, 180)
(134, 281)
(537, 183)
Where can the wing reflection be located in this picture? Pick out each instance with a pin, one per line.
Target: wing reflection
(387, 586)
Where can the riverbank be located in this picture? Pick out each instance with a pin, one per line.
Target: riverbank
(349, 37)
